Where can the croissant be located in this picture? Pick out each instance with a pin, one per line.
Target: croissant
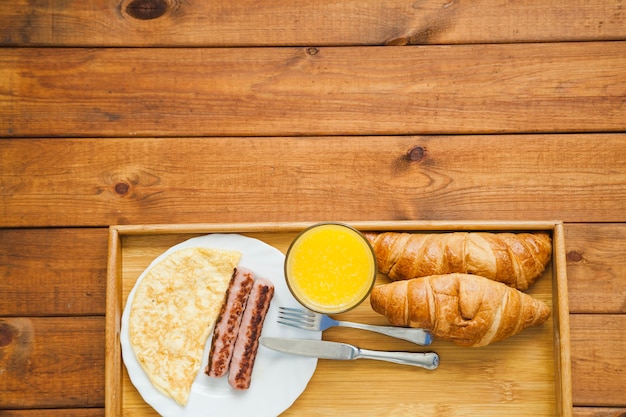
(516, 259)
(468, 310)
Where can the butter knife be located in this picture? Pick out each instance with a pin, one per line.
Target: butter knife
(343, 351)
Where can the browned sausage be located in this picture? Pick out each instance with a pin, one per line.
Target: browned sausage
(228, 322)
(247, 342)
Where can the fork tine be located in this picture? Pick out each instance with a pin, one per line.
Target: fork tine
(297, 326)
(295, 312)
(295, 317)
(298, 311)
(303, 320)
(302, 324)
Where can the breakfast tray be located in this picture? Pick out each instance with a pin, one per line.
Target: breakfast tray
(527, 374)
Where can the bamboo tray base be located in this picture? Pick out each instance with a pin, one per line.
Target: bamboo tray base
(528, 374)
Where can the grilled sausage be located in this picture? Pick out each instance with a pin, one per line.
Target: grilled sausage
(247, 342)
(228, 322)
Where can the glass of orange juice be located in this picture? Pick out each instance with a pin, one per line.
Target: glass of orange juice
(330, 268)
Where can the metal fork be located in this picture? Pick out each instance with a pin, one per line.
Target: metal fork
(309, 320)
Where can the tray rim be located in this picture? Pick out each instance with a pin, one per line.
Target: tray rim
(113, 308)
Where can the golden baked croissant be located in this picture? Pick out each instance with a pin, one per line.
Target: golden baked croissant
(516, 259)
(468, 310)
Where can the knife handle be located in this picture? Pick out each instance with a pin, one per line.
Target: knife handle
(426, 360)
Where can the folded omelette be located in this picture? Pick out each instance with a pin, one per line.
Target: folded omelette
(173, 312)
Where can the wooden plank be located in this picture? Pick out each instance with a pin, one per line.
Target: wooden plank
(598, 359)
(596, 267)
(65, 412)
(52, 272)
(516, 88)
(52, 362)
(94, 182)
(292, 22)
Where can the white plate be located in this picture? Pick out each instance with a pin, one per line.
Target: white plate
(277, 380)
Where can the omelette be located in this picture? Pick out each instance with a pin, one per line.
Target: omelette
(173, 312)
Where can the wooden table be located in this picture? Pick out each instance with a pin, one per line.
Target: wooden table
(171, 111)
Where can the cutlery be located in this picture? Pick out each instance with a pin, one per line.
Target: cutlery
(309, 320)
(343, 351)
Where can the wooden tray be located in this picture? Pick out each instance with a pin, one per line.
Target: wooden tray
(528, 374)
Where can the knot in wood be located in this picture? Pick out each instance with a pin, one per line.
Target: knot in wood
(416, 153)
(122, 188)
(574, 256)
(147, 9)
(7, 333)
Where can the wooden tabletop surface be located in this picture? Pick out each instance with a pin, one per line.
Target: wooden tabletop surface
(116, 112)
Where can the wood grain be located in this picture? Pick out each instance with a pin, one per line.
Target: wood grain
(48, 412)
(52, 272)
(520, 88)
(94, 182)
(599, 412)
(596, 267)
(291, 22)
(598, 346)
(52, 362)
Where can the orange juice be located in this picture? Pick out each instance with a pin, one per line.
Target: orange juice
(330, 268)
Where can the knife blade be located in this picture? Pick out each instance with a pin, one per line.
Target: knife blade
(334, 350)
